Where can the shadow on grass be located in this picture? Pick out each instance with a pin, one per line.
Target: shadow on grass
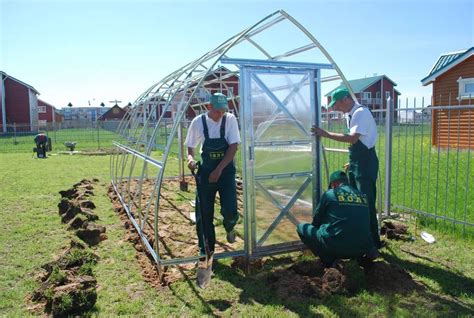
(450, 281)
(256, 289)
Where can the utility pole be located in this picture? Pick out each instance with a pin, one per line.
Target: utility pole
(115, 102)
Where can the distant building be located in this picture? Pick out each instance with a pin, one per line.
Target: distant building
(48, 115)
(83, 114)
(110, 120)
(372, 92)
(19, 105)
(452, 77)
(220, 80)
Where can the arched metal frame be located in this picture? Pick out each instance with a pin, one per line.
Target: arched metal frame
(188, 88)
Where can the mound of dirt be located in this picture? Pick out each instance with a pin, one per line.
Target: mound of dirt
(394, 230)
(307, 279)
(388, 278)
(253, 264)
(76, 209)
(67, 284)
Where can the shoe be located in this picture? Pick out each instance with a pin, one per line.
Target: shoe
(231, 236)
(366, 261)
(381, 244)
(372, 254)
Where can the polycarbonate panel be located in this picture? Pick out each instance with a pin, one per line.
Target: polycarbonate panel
(281, 201)
(282, 165)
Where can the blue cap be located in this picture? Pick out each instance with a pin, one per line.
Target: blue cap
(219, 101)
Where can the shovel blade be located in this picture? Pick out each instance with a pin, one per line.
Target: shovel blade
(204, 272)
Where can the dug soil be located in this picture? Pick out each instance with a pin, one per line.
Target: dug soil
(177, 239)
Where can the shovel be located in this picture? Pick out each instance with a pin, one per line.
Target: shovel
(204, 270)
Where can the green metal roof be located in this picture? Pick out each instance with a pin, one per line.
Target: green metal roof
(358, 85)
(447, 60)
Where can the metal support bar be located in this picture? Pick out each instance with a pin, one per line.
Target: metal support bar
(154, 162)
(284, 175)
(388, 155)
(271, 63)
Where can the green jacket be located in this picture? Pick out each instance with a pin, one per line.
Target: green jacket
(342, 219)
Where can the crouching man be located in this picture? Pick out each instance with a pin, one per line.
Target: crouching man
(41, 141)
(341, 225)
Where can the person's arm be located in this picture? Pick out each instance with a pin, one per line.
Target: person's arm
(319, 212)
(350, 138)
(228, 157)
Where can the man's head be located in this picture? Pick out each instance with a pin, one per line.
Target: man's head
(341, 100)
(218, 106)
(337, 178)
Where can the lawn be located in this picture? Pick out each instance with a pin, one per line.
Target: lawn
(32, 234)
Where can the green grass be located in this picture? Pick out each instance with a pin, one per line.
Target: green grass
(31, 234)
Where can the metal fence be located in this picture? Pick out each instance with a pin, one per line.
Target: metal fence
(430, 155)
(87, 136)
(426, 161)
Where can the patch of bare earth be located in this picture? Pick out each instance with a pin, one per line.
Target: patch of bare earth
(176, 229)
(177, 238)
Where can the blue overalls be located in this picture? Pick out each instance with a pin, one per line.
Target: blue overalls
(363, 171)
(213, 151)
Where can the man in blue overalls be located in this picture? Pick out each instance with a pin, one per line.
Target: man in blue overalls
(218, 132)
(363, 161)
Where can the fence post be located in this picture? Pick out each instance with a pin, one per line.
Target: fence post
(388, 154)
(98, 133)
(14, 134)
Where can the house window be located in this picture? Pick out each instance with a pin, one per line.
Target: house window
(466, 88)
(42, 122)
(41, 109)
(377, 94)
(387, 94)
(366, 95)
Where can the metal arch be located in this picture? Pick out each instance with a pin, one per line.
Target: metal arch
(166, 90)
(323, 50)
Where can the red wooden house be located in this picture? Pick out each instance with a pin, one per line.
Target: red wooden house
(452, 77)
(113, 114)
(221, 80)
(372, 92)
(110, 120)
(47, 114)
(19, 105)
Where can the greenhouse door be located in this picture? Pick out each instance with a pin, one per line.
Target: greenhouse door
(281, 167)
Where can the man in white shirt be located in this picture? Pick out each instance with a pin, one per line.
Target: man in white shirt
(218, 132)
(363, 161)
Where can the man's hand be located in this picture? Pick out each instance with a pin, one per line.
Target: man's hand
(316, 131)
(346, 167)
(215, 175)
(192, 165)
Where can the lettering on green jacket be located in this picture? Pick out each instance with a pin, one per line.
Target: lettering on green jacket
(351, 198)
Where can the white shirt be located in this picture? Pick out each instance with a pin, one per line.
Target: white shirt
(363, 123)
(195, 134)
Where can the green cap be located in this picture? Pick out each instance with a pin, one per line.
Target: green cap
(337, 95)
(219, 101)
(338, 175)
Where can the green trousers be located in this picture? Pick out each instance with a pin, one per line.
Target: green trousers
(328, 253)
(367, 186)
(226, 187)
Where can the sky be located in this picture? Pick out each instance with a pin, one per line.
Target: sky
(88, 52)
